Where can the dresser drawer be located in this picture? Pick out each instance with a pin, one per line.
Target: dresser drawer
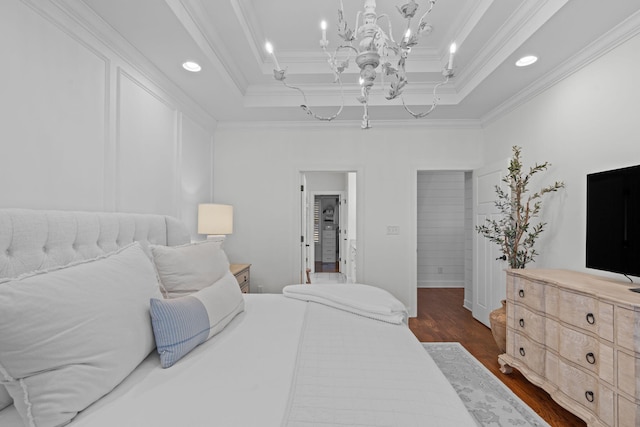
(586, 390)
(629, 374)
(587, 351)
(628, 328)
(243, 277)
(529, 352)
(527, 292)
(587, 313)
(329, 251)
(244, 287)
(628, 412)
(526, 322)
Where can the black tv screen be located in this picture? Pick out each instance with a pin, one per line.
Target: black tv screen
(613, 221)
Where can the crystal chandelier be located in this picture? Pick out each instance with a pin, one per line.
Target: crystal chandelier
(374, 50)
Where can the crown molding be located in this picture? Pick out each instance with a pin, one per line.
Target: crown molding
(349, 124)
(251, 29)
(612, 39)
(525, 21)
(209, 41)
(468, 24)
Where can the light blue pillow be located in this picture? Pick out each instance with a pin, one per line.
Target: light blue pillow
(182, 324)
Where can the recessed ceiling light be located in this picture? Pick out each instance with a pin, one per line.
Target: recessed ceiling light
(526, 60)
(194, 67)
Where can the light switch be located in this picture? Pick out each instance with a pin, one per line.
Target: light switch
(393, 230)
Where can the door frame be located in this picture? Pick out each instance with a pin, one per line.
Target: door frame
(413, 304)
(299, 172)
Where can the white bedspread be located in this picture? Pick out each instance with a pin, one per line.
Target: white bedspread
(353, 371)
(349, 371)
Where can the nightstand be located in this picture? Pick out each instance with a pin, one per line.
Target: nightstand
(241, 271)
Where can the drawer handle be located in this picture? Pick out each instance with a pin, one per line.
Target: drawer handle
(521, 293)
(589, 396)
(591, 358)
(591, 319)
(521, 321)
(522, 352)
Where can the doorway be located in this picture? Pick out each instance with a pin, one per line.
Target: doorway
(444, 230)
(328, 219)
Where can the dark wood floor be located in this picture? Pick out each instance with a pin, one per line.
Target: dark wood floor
(442, 318)
(327, 267)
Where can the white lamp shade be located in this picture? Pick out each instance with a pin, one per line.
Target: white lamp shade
(215, 219)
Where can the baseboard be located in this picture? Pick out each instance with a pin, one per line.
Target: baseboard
(468, 305)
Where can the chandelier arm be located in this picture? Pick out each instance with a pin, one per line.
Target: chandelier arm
(384, 15)
(309, 111)
(432, 3)
(433, 106)
(345, 46)
(333, 61)
(365, 124)
(355, 29)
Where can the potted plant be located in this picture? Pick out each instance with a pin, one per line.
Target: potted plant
(514, 231)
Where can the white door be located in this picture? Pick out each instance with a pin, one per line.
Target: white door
(489, 278)
(304, 234)
(351, 244)
(343, 243)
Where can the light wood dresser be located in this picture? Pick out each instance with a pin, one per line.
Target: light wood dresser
(243, 276)
(577, 336)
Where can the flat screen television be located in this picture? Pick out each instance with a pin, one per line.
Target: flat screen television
(613, 221)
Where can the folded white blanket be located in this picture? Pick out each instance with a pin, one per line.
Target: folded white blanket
(363, 300)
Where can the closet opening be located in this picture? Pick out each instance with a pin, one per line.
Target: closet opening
(326, 229)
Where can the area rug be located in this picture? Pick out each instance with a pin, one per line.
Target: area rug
(489, 401)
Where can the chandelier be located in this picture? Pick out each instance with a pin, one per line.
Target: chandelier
(374, 50)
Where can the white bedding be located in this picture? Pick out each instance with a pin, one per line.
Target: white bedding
(368, 371)
(356, 371)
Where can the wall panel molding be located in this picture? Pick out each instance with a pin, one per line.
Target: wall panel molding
(53, 14)
(145, 149)
(126, 56)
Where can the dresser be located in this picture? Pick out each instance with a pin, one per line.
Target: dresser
(329, 245)
(243, 276)
(577, 336)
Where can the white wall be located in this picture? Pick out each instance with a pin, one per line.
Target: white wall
(441, 229)
(85, 129)
(265, 193)
(588, 122)
(326, 181)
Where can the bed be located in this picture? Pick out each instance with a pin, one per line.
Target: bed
(86, 300)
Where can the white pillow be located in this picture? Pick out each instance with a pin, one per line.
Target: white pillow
(182, 324)
(186, 269)
(71, 334)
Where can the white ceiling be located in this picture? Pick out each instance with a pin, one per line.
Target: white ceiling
(236, 84)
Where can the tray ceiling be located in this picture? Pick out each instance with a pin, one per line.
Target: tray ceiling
(236, 84)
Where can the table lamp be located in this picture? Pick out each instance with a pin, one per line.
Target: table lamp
(215, 219)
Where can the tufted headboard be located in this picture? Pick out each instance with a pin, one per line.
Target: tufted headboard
(41, 239)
